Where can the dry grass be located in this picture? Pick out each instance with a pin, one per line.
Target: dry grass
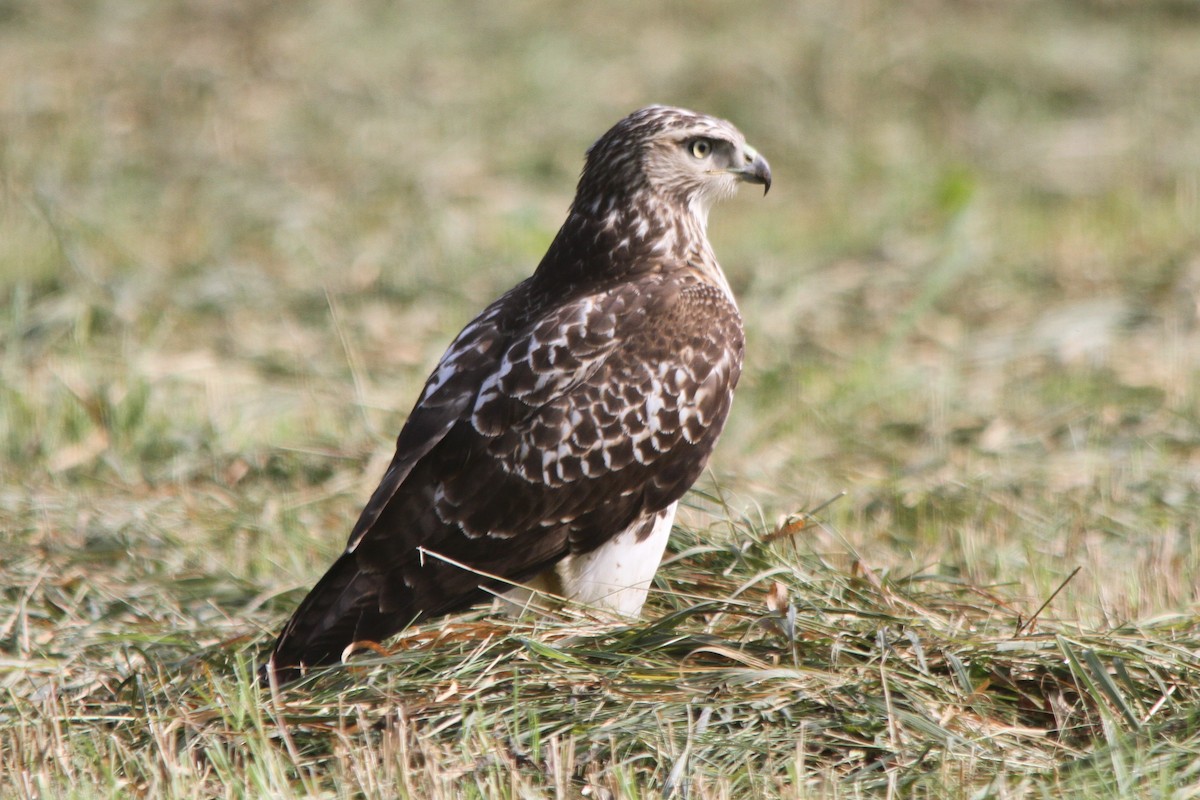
(764, 669)
(234, 236)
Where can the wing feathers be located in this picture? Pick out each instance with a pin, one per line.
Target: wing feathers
(540, 433)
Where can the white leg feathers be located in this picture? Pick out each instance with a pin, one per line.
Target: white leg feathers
(617, 574)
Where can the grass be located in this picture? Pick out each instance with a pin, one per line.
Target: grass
(766, 670)
(234, 237)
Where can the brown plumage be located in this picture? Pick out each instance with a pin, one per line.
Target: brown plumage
(563, 424)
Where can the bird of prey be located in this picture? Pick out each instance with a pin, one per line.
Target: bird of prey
(555, 437)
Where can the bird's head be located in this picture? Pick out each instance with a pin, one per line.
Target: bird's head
(690, 160)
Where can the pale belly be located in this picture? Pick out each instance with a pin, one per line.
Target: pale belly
(615, 576)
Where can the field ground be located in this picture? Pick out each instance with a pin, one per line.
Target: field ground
(234, 236)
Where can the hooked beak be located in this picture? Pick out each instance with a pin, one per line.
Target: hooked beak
(755, 170)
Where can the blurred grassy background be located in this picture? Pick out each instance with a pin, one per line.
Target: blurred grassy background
(235, 236)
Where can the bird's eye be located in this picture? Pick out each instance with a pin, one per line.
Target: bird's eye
(700, 148)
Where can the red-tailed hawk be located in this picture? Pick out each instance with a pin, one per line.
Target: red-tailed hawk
(554, 439)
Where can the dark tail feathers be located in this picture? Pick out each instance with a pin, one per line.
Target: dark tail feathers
(341, 609)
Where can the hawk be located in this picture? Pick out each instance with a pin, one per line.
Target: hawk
(554, 439)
